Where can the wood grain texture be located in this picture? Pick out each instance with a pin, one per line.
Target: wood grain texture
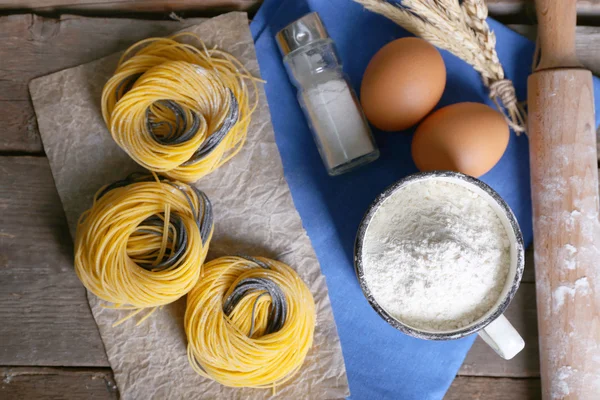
(556, 33)
(24, 383)
(587, 44)
(475, 388)
(529, 271)
(499, 8)
(28, 180)
(33, 46)
(116, 6)
(564, 193)
(23, 42)
(587, 48)
(44, 314)
(43, 228)
(483, 361)
(522, 313)
(62, 332)
(98, 384)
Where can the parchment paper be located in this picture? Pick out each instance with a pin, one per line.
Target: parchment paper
(254, 214)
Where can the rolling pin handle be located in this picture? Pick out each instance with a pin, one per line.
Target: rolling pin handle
(556, 33)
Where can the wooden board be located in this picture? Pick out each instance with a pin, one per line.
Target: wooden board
(483, 361)
(116, 6)
(66, 335)
(57, 383)
(98, 383)
(39, 293)
(61, 331)
(497, 8)
(45, 316)
(471, 388)
(522, 312)
(32, 46)
(529, 271)
(501, 8)
(508, 7)
(50, 321)
(587, 43)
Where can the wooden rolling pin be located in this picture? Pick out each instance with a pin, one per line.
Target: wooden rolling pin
(564, 183)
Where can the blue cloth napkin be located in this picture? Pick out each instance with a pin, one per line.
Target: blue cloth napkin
(382, 363)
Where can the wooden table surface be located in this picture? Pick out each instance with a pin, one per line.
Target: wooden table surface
(50, 346)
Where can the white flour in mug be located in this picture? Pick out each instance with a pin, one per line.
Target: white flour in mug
(436, 256)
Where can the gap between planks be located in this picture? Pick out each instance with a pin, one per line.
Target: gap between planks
(98, 383)
(524, 10)
(57, 383)
(497, 8)
(481, 360)
(146, 9)
(483, 388)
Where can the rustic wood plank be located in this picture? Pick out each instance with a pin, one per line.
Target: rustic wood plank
(483, 361)
(511, 8)
(497, 8)
(53, 326)
(477, 388)
(587, 44)
(522, 313)
(500, 8)
(529, 271)
(57, 383)
(98, 383)
(117, 6)
(45, 315)
(32, 46)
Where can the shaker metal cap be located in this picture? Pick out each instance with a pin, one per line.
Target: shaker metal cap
(301, 32)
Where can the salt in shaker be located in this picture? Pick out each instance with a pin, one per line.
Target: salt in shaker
(337, 122)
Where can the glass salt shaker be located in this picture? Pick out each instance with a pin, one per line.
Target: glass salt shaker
(331, 107)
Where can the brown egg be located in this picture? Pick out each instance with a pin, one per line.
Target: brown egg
(402, 84)
(464, 137)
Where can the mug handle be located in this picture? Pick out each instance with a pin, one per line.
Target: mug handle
(501, 336)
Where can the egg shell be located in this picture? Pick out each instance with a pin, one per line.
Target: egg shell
(402, 83)
(464, 137)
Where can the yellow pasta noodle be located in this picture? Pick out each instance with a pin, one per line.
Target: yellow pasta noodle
(179, 109)
(143, 242)
(249, 322)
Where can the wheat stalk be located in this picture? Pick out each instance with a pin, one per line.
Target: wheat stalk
(463, 31)
(502, 91)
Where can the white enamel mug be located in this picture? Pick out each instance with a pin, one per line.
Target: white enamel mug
(493, 327)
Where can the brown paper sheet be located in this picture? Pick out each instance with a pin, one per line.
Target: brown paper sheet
(254, 214)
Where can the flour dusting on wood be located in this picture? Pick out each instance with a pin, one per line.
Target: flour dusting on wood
(567, 259)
